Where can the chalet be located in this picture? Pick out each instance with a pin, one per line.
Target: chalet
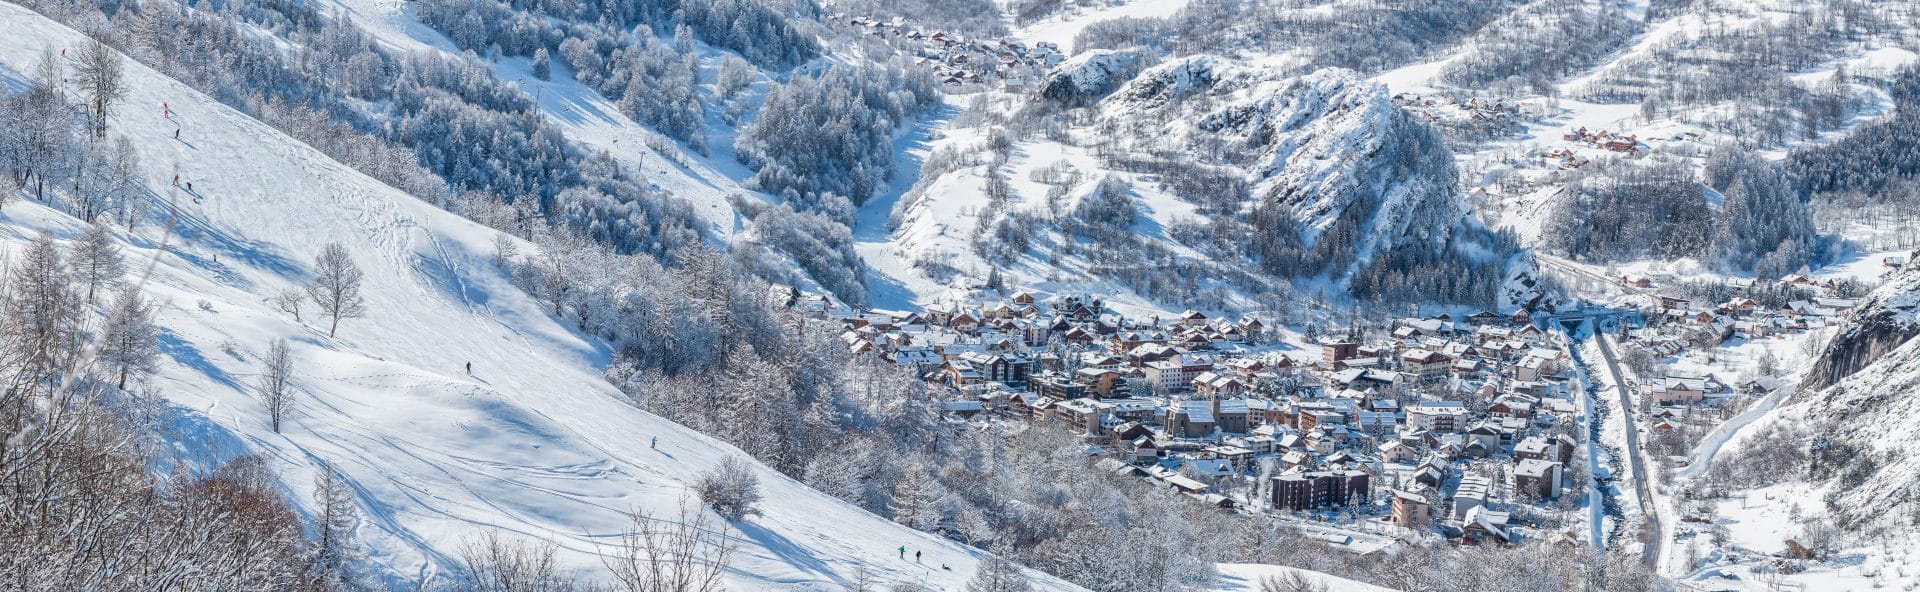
(1557, 449)
(1537, 479)
(1472, 493)
(1240, 458)
(1376, 422)
(965, 409)
(1483, 525)
(1213, 384)
(1429, 475)
(1144, 450)
(1186, 485)
(964, 322)
(1427, 367)
(1520, 317)
(1410, 510)
(1513, 405)
(1193, 318)
(1311, 419)
(1678, 390)
(1485, 317)
(1394, 451)
(960, 374)
(1487, 435)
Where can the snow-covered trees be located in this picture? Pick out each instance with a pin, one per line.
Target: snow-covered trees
(99, 70)
(735, 75)
(1763, 224)
(1619, 210)
(84, 506)
(1878, 161)
(335, 288)
(1540, 44)
(920, 501)
(276, 383)
(831, 135)
(998, 575)
(44, 315)
(39, 130)
(542, 64)
(336, 514)
(687, 552)
(730, 488)
(819, 244)
(496, 564)
(129, 341)
(96, 259)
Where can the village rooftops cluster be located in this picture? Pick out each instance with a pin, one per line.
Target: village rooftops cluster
(956, 59)
(1197, 403)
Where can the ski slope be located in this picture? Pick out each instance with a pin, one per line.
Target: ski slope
(533, 443)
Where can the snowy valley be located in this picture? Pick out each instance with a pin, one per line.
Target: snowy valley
(984, 295)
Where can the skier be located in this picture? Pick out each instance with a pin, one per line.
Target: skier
(189, 187)
(655, 444)
(176, 180)
(176, 133)
(903, 551)
(469, 368)
(916, 556)
(166, 112)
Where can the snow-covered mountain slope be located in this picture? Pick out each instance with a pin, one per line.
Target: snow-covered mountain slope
(1086, 78)
(1323, 172)
(533, 443)
(590, 119)
(1886, 319)
(1328, 145)
(1869, 412)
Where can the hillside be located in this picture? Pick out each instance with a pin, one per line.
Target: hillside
(1887, 319)
(533, 443)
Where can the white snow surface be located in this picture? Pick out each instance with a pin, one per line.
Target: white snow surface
(533, 443)
(1246, 577)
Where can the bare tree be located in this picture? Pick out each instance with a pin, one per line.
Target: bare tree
(1291, 581)
(336, 286)
(129, 341)
(498, 565)
(504, 249)
(688, 554)
(125, 182)
(96, 259)
(276, 383)
(730, 489)
(289, 300)
(43, 314)
(99, 69)
(333, 550)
